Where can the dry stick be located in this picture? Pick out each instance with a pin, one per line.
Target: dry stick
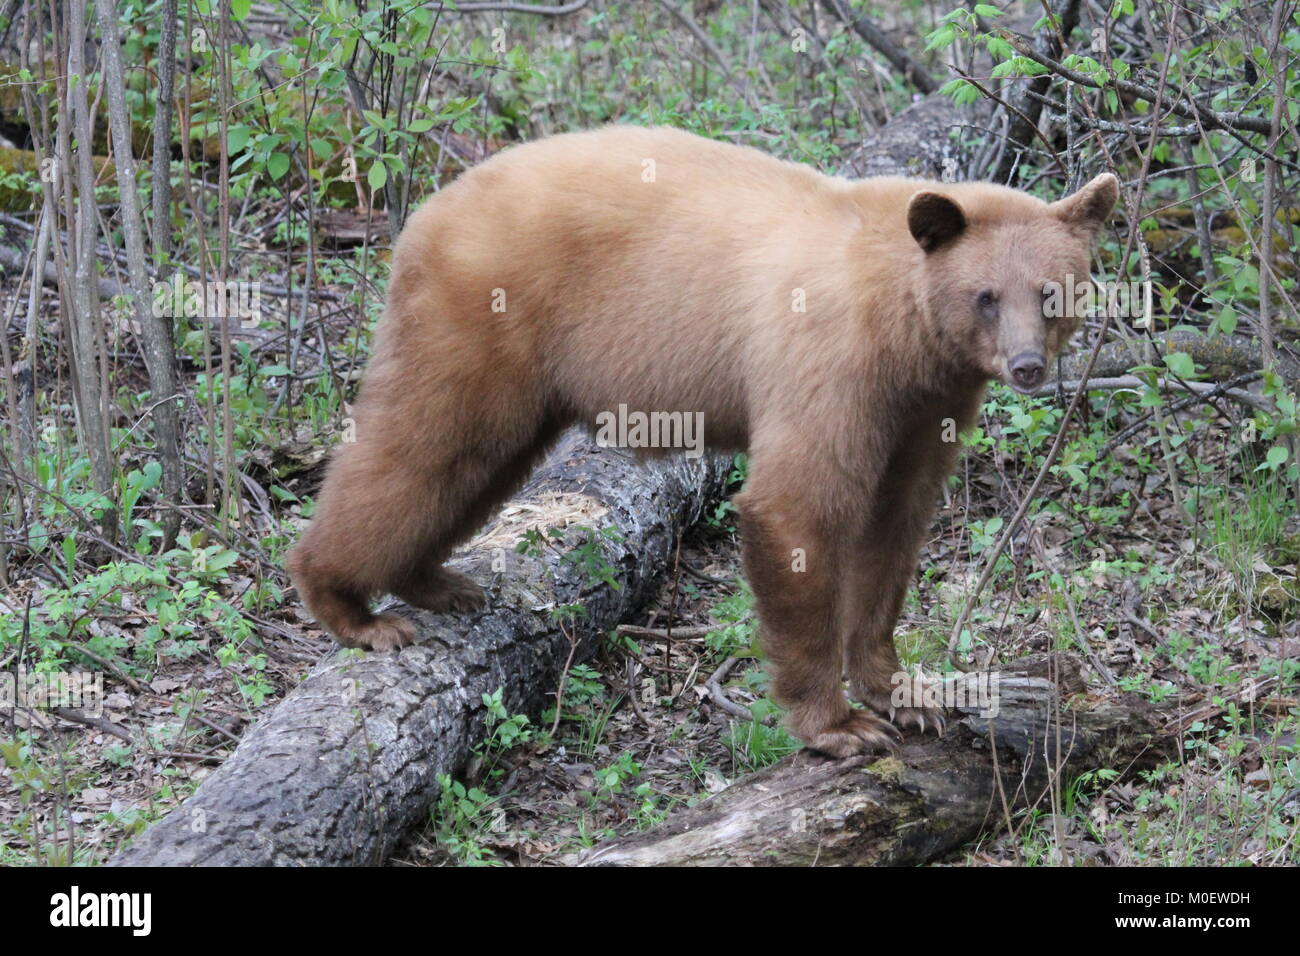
(1054, 780)
(1162, 433)
(1203, 238)
(572, 635)
(110, 287)
(1062, 17)
(31, 341)
(11, 384)
(505, 7)
(707, 42)
(63, 794)
(205, 257)
(162, 133)
(676, 634)
(633, 697)
(1200, 391)
(1036, 542)
(99, 723)
(17, 423)
(108, 664)
(1136, 621)
(1012, 108)
(1229, 388)
(1025, 502)
(79, 291)
(719, 696)
(672, 608)
(707, 578)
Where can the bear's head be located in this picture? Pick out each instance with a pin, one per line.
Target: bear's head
(995, 263)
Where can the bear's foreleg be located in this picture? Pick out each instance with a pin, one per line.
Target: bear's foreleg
(789, 559)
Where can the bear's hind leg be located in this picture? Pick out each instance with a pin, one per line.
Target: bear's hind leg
(370, 518)
(439, 589)
(388, 515)
(483, 478)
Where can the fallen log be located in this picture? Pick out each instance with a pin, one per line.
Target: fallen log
(1223, 352)
(347, 763)
(931, 798)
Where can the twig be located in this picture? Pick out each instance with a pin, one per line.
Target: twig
(99, 723)
(1209, 117)
(719, 696)
(674, 635)
(1201, 390)
(572, 636)
(1196, 397)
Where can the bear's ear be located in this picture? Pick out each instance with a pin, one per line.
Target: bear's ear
(1090, 207)
(934, 219)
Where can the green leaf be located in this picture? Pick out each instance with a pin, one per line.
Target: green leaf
(277, 164)
(377, 176)
(222, 560)
(999, 48)
(1276, 458)
(237, 138)
(941, 37)
(1227, 320)
(1180, 364)
(150, 476)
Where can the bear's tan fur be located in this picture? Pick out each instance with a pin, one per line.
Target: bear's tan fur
(841, 332)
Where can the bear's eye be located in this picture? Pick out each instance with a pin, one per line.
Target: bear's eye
(987, 302)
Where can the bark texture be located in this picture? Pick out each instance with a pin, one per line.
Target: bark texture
(929, 799)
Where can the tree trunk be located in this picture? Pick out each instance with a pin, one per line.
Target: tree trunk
(347, 763)
(934, 796)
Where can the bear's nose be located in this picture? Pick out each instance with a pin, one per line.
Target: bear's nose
(1027, 369)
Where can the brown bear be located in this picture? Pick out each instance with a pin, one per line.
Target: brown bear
(841, 332)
